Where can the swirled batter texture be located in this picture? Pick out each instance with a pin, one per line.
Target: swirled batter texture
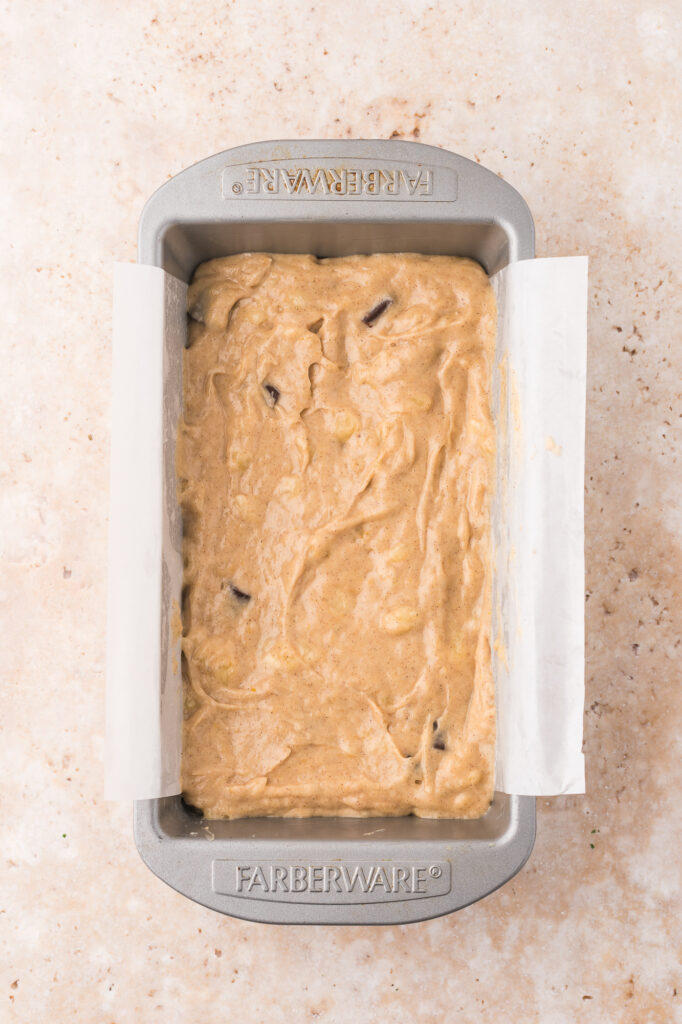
(335, 464)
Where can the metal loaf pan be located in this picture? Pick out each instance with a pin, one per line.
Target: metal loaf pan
(332, 199)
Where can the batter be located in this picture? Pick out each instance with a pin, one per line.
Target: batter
(335, 465)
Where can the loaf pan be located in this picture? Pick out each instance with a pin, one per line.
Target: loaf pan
(333, 198)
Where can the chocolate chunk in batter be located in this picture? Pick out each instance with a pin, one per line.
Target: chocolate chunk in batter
(241, 595)
(375, 313)
(273, 395)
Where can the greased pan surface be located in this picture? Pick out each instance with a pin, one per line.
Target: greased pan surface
(333, 198)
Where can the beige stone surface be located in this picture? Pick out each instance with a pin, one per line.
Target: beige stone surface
(575, 104)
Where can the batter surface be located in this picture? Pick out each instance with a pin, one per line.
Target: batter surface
(335, 465)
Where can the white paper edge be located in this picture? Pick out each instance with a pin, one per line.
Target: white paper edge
(538, 526)
(144, 693)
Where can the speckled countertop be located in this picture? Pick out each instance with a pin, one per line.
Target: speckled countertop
(574, 104)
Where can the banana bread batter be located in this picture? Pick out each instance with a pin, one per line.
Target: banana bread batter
(335, 465)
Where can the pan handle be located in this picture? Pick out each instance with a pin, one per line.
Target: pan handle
(331, 181)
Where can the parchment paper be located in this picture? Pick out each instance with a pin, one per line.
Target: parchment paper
(538, 526)
(144, 691)
(538, 588)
